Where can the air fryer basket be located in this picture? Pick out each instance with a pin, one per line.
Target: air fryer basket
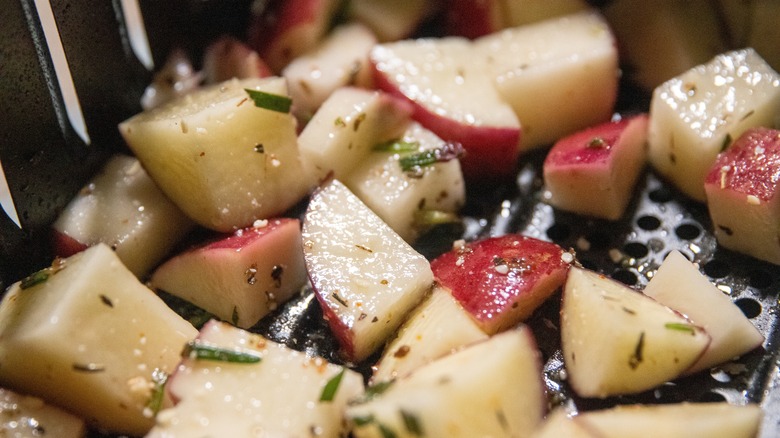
(46, 162)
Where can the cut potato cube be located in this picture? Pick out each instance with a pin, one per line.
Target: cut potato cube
(594, 172)
(255, 388)
(742, 195)
(86, 335)
(123, 208)
(347, 126)
(437, 327)
(391, 20)
(405, 198)
(558, 75)
(559, 424)
(492, 388)
(616, 340)
(365, 276)
(30, 417)
(224, 160)
(242, 277)
(676, 420)
(679, 285)
(340, 60)
(698, 114)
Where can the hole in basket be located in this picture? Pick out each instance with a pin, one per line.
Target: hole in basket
(558, 232)
(625, 276)
(598, 240)
(750, 307)
(687, 231)
(760, 279)
(648, 223)
(660, 195)
(716, 269)
(712, 397)
(635, 250)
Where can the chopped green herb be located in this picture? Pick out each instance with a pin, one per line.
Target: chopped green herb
(35, 279)
(200, 351)
(386, 431)
(679, 326)
(397, 146)
(412, 423)
(416, 161)
(234, 316)
(430, 218)
(637, 357)
(362, 421)
(329, 391)
(726, 142)
(269, 101)
(89, 367)
(159, 378)
(373, 391)
(338, 298)
(339, 122)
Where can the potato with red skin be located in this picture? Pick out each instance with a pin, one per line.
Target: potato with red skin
(500, 281)
(593, 171)
(742, 195)
(228, 58)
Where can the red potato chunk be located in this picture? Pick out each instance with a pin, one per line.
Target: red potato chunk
(500, 281)
(594, 171)
(742, 189)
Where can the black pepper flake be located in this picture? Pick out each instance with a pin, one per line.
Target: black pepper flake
(597, 143)
(375, 319)
(636, 358)
(276, 274)
(362, 316)
(402, 351)
(260, 148)
(727, 230)
(106, 300)
(340, 300)
(89, 367)
(234, 316)
(251, 274)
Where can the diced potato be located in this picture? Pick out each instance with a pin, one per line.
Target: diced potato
(86, 335)
(492, 388)
(558, 75)
(742, 195)
(255, 388)
(698, 114)
(123, 208)
(224, 160)
(406, 199)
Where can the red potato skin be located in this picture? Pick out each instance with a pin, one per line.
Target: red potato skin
(491, 153)
(229, 57)
(471, 18)
(65, 246)
(741, 169)
(575, 150)
(500, 300)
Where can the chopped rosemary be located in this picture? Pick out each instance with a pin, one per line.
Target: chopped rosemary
(35, 278)
(637, 357)
(270, 101)
(234, 316)
(159, 378)
(449, 151)
(430, 218)
(680, 326)
(726, 142)
(412, 423)
(201, 351)
(373, 391)
(397, 146)
(329, 391)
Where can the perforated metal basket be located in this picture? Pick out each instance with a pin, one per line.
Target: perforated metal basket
(49, 148)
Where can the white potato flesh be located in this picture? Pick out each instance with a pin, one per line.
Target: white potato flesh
(30, 417)
(491, 388)
(222, 159)
(677, 420)
(123, 208)
(559, 424)
(616, 340)
(365, 275)
(242, 277)
(280, 395)
(391, 20)
(679, 285)
(558, 75)
(437, 327)
(400, 198)
(347, 126)
(340, 60)
(89, 339)
(697, 114)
